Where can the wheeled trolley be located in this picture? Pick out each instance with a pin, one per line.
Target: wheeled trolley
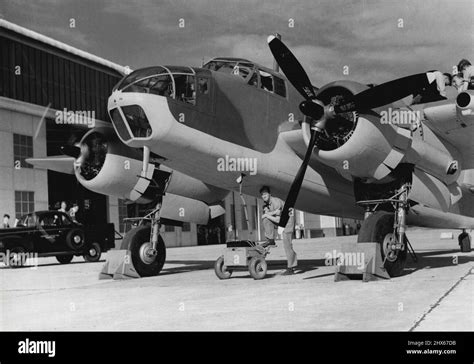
(242, 255)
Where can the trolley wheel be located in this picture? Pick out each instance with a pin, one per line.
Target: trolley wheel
(220, 269)
(258, 267)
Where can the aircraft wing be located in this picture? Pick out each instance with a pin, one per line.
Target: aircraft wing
(58, 163)
(453, 124)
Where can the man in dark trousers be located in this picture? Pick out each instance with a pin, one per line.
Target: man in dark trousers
(272, 207)
(271, 217)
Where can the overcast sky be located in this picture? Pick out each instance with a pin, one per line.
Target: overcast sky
(327, 35)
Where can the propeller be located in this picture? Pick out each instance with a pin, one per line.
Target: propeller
(71, 151)
(320, 114)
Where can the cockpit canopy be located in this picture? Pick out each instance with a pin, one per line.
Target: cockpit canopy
(253, 74)
(170, 81)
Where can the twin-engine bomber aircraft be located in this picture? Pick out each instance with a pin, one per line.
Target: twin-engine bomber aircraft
(329, 150)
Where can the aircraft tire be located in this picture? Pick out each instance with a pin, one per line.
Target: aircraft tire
(137, 241)
(376, 228)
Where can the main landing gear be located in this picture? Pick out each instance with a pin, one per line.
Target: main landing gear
(388, 229)
(146, 246)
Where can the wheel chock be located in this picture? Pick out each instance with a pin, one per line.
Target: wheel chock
(118, 266)
(359, 261)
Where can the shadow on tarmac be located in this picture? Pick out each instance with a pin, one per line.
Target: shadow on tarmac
(426, 260)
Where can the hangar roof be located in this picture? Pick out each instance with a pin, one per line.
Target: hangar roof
(63, 46)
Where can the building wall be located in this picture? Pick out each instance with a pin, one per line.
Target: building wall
(21, 179)
(178, 237)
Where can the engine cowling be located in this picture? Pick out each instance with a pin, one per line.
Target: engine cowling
(109, 167)
(357, 145)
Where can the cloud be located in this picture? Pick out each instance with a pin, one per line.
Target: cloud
(327, 35)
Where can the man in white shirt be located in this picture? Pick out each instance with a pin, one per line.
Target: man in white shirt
(467, 70)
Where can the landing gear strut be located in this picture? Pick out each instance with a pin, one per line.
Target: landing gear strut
(388, 229)
(147, 248)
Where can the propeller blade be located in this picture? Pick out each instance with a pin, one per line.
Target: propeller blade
(291, 67)
(311, 109)
(296, 185)
(71, 151)
(387, 93)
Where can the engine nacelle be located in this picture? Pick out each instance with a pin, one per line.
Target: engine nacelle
(109, 167)
(370, 146)
(358, 145)
(465, 107)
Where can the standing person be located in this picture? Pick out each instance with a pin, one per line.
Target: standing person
(6, 221)
(63, 207)
(458, 81)
(73, 211)
(287, 235)
(467, 71)
(272, 207)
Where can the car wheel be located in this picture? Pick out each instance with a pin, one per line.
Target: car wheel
(64, 259)
(75, 239)
(93, 253)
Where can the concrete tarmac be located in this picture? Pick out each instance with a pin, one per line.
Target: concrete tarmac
(437, 294)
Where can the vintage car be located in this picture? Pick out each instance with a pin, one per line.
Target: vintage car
(54, 233)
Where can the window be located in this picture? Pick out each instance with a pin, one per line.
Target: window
(242, 69)
(65, 220)
(203, 86)
(50, 220)
(280, 88)
(160, 85)
(254, 80)
(137, 121)
(186, 227)
(169, 228)
(27, 221)
(122, 214)
(24, 203)
(22, 149)
(221, 66)
(185, 89)
(266, 81)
